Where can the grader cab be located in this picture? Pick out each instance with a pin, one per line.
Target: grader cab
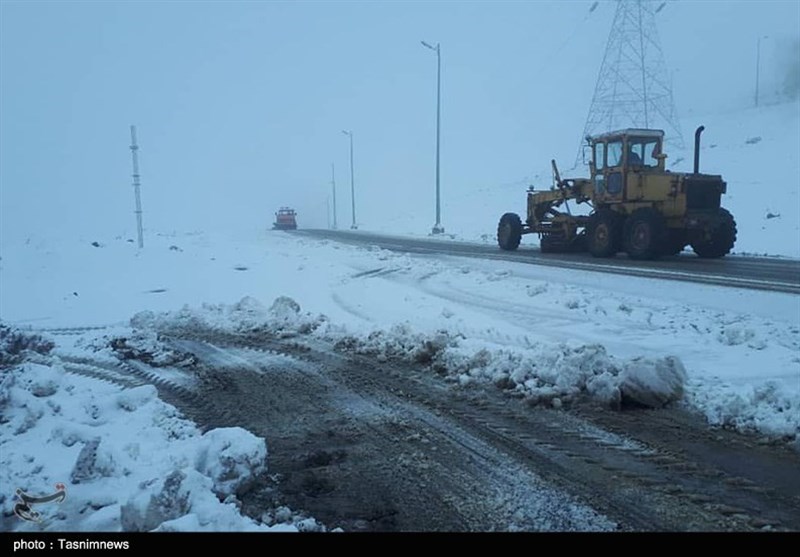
(637, 205)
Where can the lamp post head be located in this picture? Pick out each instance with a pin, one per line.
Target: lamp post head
(347, 133)
(434, 48)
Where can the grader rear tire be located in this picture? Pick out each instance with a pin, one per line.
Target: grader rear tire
(644, 234)
(720, 241)
(603, 233)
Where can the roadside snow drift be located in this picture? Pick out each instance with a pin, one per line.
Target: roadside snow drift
(129, 460)
(541, 373)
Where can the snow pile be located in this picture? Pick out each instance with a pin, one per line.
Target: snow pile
(653, 383)
(400, 342)
(183, 501)
(542, 373)
(283, 319)
(16, 345)
(145, 346)
(765, 408)
(128, 460)
(230, 460)
(555, 374)
(284, 515)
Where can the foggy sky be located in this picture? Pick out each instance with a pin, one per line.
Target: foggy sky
(239, 106)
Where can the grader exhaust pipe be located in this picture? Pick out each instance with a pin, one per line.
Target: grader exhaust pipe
(697, 149)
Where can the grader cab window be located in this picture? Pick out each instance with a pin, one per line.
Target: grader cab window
(614, 156)
(642, 152)
(599, 166)
(600, 156)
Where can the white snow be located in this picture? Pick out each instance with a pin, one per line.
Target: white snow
(547, 334)
(129, 460)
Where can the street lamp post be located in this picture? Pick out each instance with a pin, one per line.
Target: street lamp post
(333, 186)
(758, 62)
(328, 209)
(352, 186)
(437, 228)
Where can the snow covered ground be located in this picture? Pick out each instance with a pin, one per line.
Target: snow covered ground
(128, 460)
(131, 462)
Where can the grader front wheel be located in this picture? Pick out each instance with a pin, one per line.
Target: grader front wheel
(509, 231)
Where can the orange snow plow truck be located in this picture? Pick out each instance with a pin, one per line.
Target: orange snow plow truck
(285, 219)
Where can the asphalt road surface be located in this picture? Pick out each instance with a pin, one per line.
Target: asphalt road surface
(761, 273)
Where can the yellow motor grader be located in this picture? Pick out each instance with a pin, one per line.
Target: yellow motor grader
(637, 205)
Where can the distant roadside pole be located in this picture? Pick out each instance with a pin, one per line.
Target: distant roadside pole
(138, 210)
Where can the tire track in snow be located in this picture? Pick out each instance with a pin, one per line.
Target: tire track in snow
(632, 467)
(659, 472)
(350, 308)
(131, 373)
(653, 476)
(93, 371)
(400, 457)
(72, 331)
(525, 317)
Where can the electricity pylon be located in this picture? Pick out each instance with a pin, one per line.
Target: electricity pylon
(634, 88)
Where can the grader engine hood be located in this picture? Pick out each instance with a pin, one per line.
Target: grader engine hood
(703, 191)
